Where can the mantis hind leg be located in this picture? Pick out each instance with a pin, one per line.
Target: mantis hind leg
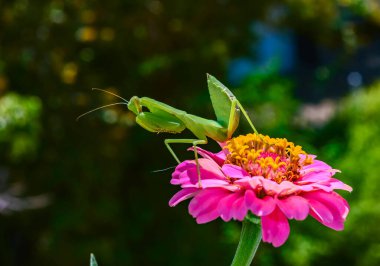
(195, 142)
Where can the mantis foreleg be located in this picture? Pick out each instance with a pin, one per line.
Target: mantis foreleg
(195, 142)
(233, 106)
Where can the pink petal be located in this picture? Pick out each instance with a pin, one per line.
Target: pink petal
(210, 166)
(208, 183)
(306, 188)
(180, 168)
(219, 157)
(211, 213)
(182, 178)
(208, 215)
(248, 182)
(337, 184)
(202, 201)
(239, 210)
(334, 203)
(222, 144)
(270, 186)
(175, 181)
(225, 206)
(259, 207)
(328, 208)
(315, 176)
(294, 207)
(234, 171)
(208, 170)
(254, 181)
(204, 205)
(317, 165)
(320, 212)
(325, 187)
(287, 188)
(284, 188)
(182, 195)
(275, 228)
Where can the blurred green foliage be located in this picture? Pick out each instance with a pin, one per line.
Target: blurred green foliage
(362, 114)
(19, 125)
(104, 197)
(269, 96)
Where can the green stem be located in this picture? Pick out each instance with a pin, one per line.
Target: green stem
(250, 239)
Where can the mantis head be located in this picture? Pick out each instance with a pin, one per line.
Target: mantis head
(134, 105)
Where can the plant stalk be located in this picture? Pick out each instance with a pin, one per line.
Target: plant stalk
(250, 239)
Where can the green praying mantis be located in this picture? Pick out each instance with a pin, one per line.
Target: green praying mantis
(158, 117)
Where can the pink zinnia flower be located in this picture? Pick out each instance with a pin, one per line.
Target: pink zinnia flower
(272, 178)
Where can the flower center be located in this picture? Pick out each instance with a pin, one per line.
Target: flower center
(273, 158)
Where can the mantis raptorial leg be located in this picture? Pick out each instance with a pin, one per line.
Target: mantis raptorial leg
(245, 115)
(235, 103)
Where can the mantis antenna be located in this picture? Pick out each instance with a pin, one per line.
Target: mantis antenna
(101, 107)
(111, 94)
(108, 105)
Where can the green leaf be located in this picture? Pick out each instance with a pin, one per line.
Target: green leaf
(93, 260)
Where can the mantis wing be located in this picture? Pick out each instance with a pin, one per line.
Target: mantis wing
(222, 100)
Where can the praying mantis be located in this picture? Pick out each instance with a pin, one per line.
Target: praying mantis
(158, 117)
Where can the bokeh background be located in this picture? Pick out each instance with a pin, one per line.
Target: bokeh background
(306, 70)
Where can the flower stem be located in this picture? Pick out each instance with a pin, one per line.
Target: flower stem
(250, 239)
